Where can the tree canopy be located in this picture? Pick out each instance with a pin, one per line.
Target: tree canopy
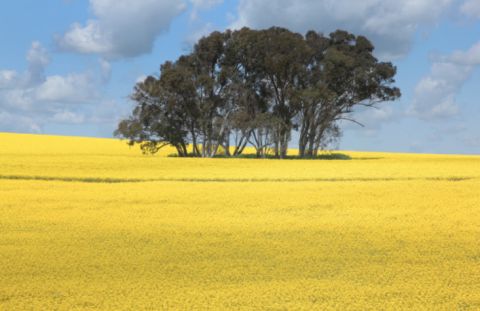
(255, 87)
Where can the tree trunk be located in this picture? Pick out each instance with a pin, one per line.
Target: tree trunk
(240, 147)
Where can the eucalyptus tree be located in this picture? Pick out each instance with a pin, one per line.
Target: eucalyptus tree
(249, 92)
(209, 82)
(342, 74)
(282, 63)
(157, 120)
(255, 87)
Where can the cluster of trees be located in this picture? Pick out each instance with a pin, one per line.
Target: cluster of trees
(255, 87)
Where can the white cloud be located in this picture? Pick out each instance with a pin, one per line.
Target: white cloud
(72, 88)
(108, 112)
(38, 56)
(471, 57)
(202, 5)
(390, 24)
(17, 99)
(7, 78)
(30, 99)
(435, 94)
(15, 123)
(86, 39)
(121, 28)
(38, 59)
(471, 8)
(205, 4)
(68, 117)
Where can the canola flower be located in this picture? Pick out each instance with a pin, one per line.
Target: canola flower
(91, 224)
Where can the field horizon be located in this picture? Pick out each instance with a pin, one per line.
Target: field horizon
(91, 224)
(292, 151)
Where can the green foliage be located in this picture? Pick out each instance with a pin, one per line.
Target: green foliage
(255, 87)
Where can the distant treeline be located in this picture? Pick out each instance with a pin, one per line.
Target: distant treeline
(254, 87)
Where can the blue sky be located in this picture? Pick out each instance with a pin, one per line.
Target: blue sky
(68, 66)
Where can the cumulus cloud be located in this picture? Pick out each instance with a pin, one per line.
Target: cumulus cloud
(471, 8)
(38, 59)
(205, 4)
(202, 5)
(32, 98)
(72, 88)
(122, 28)
(435, 94)
(471, 57)
(390, 24)
(68, 117)
(108, 112)
(7, 78)
(15, 123)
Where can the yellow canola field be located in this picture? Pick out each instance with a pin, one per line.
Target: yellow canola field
(91, 224)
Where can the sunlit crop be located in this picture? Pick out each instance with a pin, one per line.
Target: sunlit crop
(90, 224)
